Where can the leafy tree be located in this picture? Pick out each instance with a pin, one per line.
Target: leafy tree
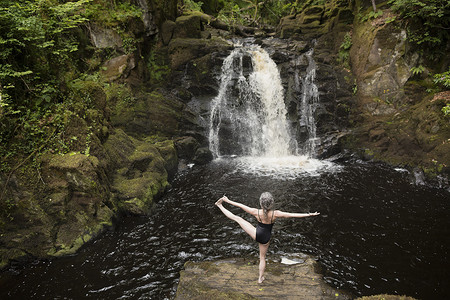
(38, 43)
(427, 21)
(254, 12)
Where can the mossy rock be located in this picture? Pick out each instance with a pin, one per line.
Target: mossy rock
(78, 202)
(149, 114)
(167, 31)
(141, 171)
(183, 50)
(14, 254)
(169, 154)
(189, 26)
(314, 10)
(91, 93)
(72, 236)
(186, 147)
(136, 195)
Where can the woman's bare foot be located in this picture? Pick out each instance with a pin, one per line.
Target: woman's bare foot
(219, 202)
(260, 280)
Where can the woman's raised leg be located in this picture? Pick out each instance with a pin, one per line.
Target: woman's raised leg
(248, 228)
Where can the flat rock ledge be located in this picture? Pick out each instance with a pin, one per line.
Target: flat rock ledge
(237, 278)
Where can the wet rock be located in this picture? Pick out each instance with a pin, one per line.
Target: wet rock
(203, 156)
(186, 147)
(237, 278)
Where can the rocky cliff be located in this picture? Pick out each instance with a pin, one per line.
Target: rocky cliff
(388, 110)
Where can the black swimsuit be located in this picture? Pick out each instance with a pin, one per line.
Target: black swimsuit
(264, 231)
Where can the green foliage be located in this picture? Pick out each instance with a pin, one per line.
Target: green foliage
(427, 21)
(254, 12)
(443, 79)
(343, 55)
(110, 14)
(371, 15)
(446, 110)
(36, 44)
(32, 43)
(191, 5)
(116, 16)
(158, 69)
(417, 70)
(300, 5)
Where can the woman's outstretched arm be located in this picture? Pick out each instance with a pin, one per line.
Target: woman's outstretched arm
(250, 210)
(282, 214)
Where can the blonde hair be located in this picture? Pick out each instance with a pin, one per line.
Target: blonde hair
(266, 201)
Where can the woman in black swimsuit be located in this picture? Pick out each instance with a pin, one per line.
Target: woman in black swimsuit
(265, 217)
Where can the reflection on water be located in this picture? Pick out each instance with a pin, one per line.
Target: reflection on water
(377, 233)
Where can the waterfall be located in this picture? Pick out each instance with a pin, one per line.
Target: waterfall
(309, 102)
(248, 116)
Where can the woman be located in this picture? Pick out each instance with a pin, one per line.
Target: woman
(265, 217)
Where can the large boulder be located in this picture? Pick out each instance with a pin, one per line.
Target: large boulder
(189, 26)
(237, 278)
(141, 174)
(77, 201)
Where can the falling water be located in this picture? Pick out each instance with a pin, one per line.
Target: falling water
(249, 114)
(310, 99)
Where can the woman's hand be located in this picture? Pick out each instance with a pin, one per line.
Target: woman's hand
(314, 214)
(224, 198)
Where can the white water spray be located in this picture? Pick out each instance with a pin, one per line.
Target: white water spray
(248, 116)
(250, 110)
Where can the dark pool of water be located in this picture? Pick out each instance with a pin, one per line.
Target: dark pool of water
(377, 233)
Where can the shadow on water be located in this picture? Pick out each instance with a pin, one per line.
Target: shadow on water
(377, 233)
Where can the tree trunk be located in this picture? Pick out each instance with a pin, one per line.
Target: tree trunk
(374, 6)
